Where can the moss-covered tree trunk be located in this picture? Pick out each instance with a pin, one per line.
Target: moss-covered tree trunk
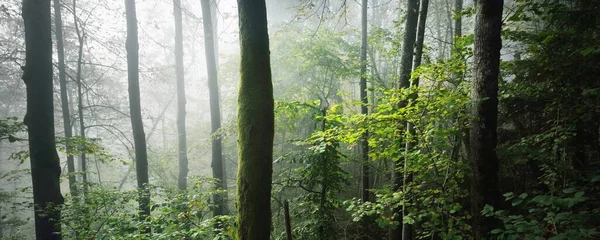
(255, 124)
(37, 75)
(484, 110)
(181, 132)
(215, 109)
(406, 60)
(66, 115)
(133, 75)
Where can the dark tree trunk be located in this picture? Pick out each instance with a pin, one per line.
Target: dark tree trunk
(141, 157)
(407, 229)
(64, 97)
(483, 135)
(255, 124)
(365, 101)
(288, 223)
(181, 132)
(406, 60)
(37, 75)
(458, 6)
(215, 110)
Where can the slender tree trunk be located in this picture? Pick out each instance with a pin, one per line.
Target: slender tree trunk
(288, 223)
(64, 97)
(410, 32)
(83, 161)
(37, 75)
(183, 160)
(215, 110)
(483, 158)
(141, 157)
(255, 124)
(407, 229)
(365, 101)
(458, 6)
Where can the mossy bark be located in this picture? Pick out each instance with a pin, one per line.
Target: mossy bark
(255, 124)
(45, 164)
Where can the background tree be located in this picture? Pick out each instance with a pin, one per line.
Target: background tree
(255, 124)
(179, 72)
(64, 97)
(141, 157)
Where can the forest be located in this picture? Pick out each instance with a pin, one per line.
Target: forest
(300, 119)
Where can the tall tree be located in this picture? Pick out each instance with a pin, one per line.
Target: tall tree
(255, 124)
(80, 39)
(181, 132)
(406, 60)
(484, 110)
(365, 101)
(215, 109)
(37, 75)
(66, 115)
(139, 140)
(407, 230)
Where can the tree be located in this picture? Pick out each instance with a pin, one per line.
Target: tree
(80, 39)
(181, 132)
(408, 41)
(407, 230)
(483, 134)
(458, 6)
(64, 96)
(215, 109)
(37, 75)
(364, 101)
(141, 157)
(255, 124)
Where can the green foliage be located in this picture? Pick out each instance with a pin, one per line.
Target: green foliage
(110, 214)
(544, 216)
(9, 128)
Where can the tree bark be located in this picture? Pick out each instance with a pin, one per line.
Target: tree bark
(408, 42)
(215, 110)
(66, 115)
(365, 101)
(182, 137)
(141, 157)
(255, 124)
(37, 75)
(288, 223)
(483, 135)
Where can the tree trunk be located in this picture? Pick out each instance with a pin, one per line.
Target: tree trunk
(64, 97)
(215, 110)
(365, 101)
(255, 124)
(37, 75)
(141, 157)
(407, 230)
(458, 6)
(410, 32)
(83, 161)
(483, 135)
(183, 160)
